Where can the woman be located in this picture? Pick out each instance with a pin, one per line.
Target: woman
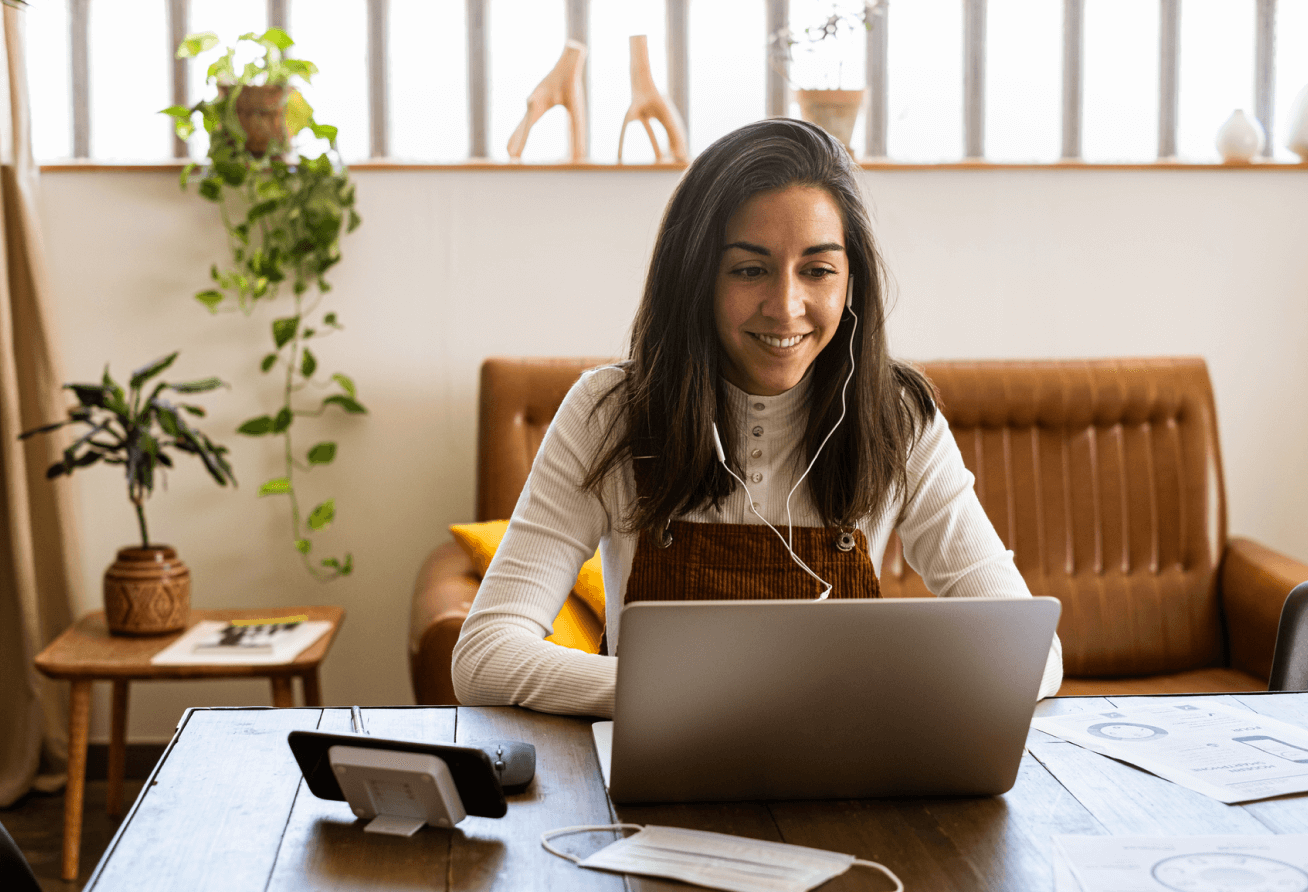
(764, 289)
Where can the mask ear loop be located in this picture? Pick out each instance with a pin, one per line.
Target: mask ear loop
(582, 828)
(899, 884)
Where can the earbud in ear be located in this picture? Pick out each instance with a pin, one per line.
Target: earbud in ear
(849, 293)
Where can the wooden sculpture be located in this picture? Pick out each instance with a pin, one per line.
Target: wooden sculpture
(562, 86)
(647, 102)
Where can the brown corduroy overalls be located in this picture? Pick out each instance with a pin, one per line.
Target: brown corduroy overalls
(747, 562)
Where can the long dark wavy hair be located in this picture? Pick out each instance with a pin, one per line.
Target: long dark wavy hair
(673, 390)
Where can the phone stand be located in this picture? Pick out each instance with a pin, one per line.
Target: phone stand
(399, 791)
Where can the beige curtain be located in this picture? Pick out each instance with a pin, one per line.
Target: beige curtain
(39, 566)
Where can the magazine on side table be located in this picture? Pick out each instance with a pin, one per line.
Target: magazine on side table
(249, 642)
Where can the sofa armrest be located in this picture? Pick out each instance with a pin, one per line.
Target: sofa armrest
(442, 597)
(1255, 582)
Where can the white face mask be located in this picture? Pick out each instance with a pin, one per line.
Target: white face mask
(715, 860)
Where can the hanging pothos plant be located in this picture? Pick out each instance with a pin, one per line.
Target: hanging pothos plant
(284, 214)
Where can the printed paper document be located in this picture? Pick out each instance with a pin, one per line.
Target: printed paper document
(1230, 754)
(1197, 863)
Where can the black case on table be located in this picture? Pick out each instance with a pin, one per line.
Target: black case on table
(474, 775)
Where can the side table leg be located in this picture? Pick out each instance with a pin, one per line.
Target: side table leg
(117, 751)
(282, 693)
(79, 718)
(312, 690)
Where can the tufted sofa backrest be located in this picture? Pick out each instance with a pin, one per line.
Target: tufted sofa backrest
(518, 399)
(1105, 479)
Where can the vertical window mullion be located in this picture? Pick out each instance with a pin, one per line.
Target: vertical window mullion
(177, 28)
(974, 78)
(1073, 76)
(277, 17)
(577, 15)
(478, 66)
(778, 17)
(1169, 67)
(378, 118)
(79, 15)
(1265, 69)
(877, 84)
(678, 59)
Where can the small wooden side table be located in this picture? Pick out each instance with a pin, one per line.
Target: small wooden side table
(86, 652)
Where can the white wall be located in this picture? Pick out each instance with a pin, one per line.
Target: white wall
(452, 266)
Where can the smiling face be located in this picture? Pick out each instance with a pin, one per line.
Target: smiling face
(780, 288)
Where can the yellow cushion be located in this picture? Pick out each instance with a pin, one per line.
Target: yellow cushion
(581, 621)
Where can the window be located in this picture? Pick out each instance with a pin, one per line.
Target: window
(1121, 53)
(440, 81)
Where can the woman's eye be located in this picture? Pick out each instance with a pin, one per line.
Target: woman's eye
(749, 272)
(821, 272)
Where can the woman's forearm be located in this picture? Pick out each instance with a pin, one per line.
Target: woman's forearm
(499, 663)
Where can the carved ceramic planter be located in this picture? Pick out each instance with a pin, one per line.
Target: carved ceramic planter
(262, 113)
(147, 591)
(835, 111)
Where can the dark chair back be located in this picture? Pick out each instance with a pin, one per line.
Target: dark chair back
(15, 873)
(1290, 660)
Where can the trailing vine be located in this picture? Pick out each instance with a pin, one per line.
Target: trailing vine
(284, 220)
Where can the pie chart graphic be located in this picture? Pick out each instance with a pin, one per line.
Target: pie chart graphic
(1129, 731)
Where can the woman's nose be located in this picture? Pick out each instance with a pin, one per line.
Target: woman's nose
(785, 300)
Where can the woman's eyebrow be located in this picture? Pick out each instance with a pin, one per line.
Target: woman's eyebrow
(824, 248)
(759, 249)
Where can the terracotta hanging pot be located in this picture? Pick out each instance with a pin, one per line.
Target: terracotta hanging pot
(147, 591)
(835, 111)
(262, 113)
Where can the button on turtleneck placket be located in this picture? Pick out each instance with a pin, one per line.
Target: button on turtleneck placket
(757, 416)
(772, 434)
(754, 418)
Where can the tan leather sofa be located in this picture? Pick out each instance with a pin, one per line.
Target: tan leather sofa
(1103, 476)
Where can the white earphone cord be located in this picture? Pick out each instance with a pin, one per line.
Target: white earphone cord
(789, 539)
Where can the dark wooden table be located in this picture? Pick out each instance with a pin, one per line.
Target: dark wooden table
(85, 652)
(226, 809)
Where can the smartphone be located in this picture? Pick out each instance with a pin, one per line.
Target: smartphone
(1274, 747)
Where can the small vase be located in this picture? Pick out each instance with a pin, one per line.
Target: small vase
(835, 111)
(1297, 141)
(1241, 138)
(147, 591)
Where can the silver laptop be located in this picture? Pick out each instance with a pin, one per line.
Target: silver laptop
(740, 700)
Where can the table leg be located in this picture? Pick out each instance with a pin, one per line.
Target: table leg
(79, 718)
(312, 690)
(282, 693)
(117, 750)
